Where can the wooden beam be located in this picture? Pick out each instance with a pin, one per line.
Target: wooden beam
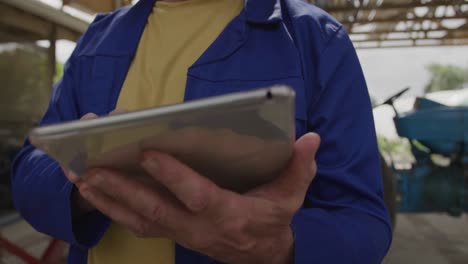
(15, 18)
(409, 31)
(412, 45)
(12, 34)
(63, 33)
(6, 37)
(388, 5)
(52, 54)
(374, 39)
(27, 25)
(47, 13)
(92, 5)
(381, 35)
(346, 14)
(463, 15)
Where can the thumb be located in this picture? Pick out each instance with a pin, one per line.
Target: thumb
(302, 167)
(118, 111)
(89, 116)
(290, 187)
(305, 150)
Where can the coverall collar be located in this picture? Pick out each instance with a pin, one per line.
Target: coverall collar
(123, 37)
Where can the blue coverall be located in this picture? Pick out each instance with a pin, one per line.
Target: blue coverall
(343, 220)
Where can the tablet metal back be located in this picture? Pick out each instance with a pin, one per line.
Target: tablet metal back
(237, 140)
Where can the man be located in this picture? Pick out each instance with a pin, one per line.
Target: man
(164, 52)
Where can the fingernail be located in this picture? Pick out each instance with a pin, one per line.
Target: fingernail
(85, 194)
(150, 163)
(95, 177)
(73, 175)
(84, 191)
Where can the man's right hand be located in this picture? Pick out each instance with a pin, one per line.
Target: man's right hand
(82, 205)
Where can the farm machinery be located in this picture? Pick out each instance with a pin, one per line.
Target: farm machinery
(438, 179)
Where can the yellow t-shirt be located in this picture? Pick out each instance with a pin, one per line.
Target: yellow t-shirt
(176, 35)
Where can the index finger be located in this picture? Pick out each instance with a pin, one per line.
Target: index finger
(72, 176)
(195, 191)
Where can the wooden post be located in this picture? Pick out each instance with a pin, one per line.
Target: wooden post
(51, 54)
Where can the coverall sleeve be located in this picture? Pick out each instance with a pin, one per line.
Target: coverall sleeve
(41, 192)
(344, 219)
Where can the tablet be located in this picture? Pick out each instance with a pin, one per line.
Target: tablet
(239, 140)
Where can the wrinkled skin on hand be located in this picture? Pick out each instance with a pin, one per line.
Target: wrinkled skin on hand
(253, 227)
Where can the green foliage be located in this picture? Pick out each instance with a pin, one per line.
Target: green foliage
(446, 77)
(58, 72)
(395, 147)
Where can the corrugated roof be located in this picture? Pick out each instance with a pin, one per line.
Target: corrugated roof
(401, 23)
(381, 23)
(371, 23)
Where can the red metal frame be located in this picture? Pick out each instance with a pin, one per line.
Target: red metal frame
(52, 254)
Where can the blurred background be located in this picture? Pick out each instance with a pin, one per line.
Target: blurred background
(421, 45)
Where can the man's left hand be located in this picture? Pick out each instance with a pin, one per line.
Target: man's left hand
(233, 228)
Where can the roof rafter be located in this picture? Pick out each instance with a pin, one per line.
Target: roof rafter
(386, 5)
(384, 21)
